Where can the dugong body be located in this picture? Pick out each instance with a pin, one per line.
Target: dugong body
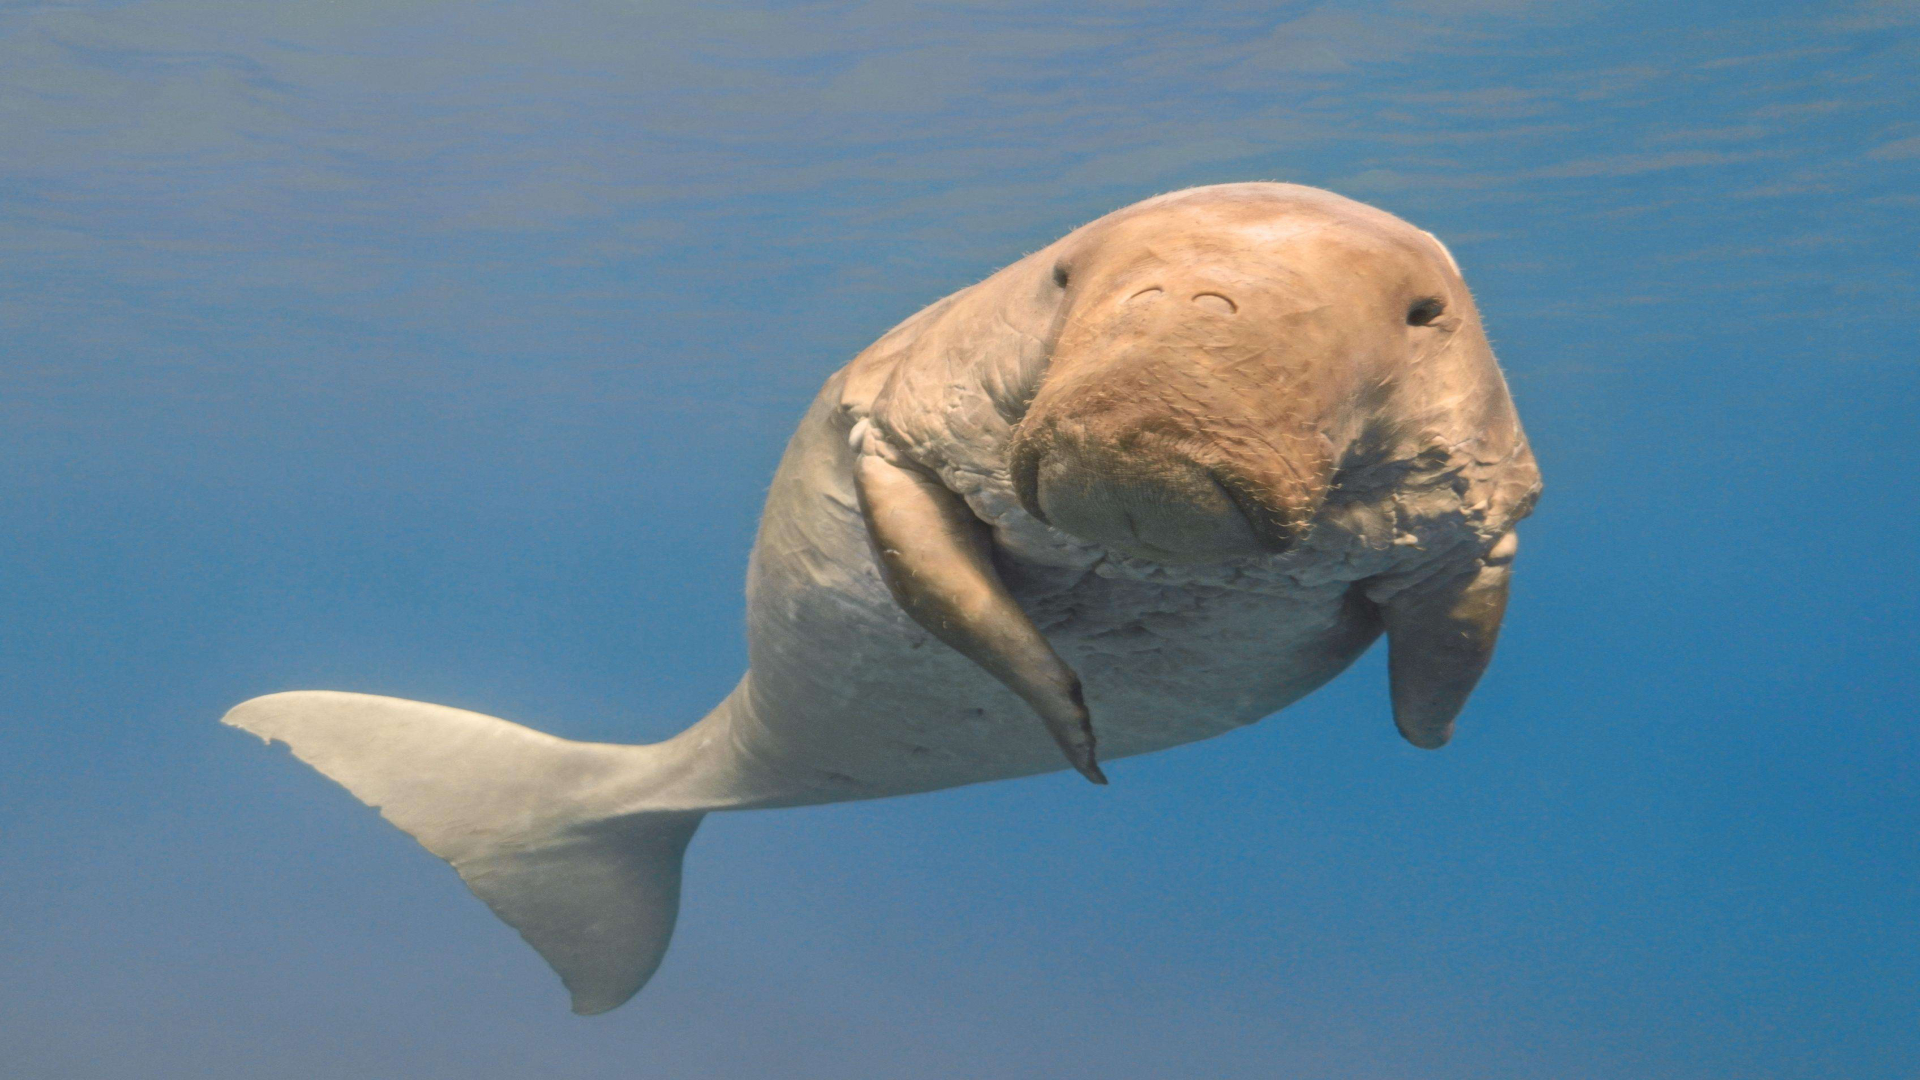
(1148, 484)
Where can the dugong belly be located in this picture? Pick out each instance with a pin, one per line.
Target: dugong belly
(848, 697)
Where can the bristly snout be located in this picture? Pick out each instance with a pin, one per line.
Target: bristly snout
(1166, 495)
(1182, 418)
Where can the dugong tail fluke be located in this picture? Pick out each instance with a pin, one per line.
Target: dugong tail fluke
(556, 836)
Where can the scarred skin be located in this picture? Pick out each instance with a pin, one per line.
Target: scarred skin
(1151, 483)
(1345, 458)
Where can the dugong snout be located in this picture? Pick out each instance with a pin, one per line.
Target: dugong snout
(1161, 495)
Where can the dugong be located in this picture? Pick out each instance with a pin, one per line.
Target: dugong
(1146, 485)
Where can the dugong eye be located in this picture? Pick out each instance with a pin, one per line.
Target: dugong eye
(1425, 310)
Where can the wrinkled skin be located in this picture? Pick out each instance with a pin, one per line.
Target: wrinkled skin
(1192, 382)
(1151, 483)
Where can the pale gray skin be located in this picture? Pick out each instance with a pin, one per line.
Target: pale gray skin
(1190, 460)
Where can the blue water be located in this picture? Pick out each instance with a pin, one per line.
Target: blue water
(444, 351)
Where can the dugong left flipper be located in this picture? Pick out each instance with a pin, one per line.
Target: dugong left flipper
(523, 816)
(1440, 639)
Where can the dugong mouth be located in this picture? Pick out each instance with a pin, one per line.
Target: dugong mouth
(1148, 496)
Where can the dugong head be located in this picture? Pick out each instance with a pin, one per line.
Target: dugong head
(1219, 358)
(1209, 376)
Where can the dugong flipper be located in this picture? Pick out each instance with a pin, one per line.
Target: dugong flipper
(1152, 482)
(937, 560)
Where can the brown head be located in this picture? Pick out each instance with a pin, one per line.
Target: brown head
(1217, 353)
(1213, 374)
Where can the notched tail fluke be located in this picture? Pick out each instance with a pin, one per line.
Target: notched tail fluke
(591, 884)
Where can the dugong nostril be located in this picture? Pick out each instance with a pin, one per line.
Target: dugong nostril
(1151, 292)
(1214, 302)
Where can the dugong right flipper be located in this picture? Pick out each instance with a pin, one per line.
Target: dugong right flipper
(935, 557)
